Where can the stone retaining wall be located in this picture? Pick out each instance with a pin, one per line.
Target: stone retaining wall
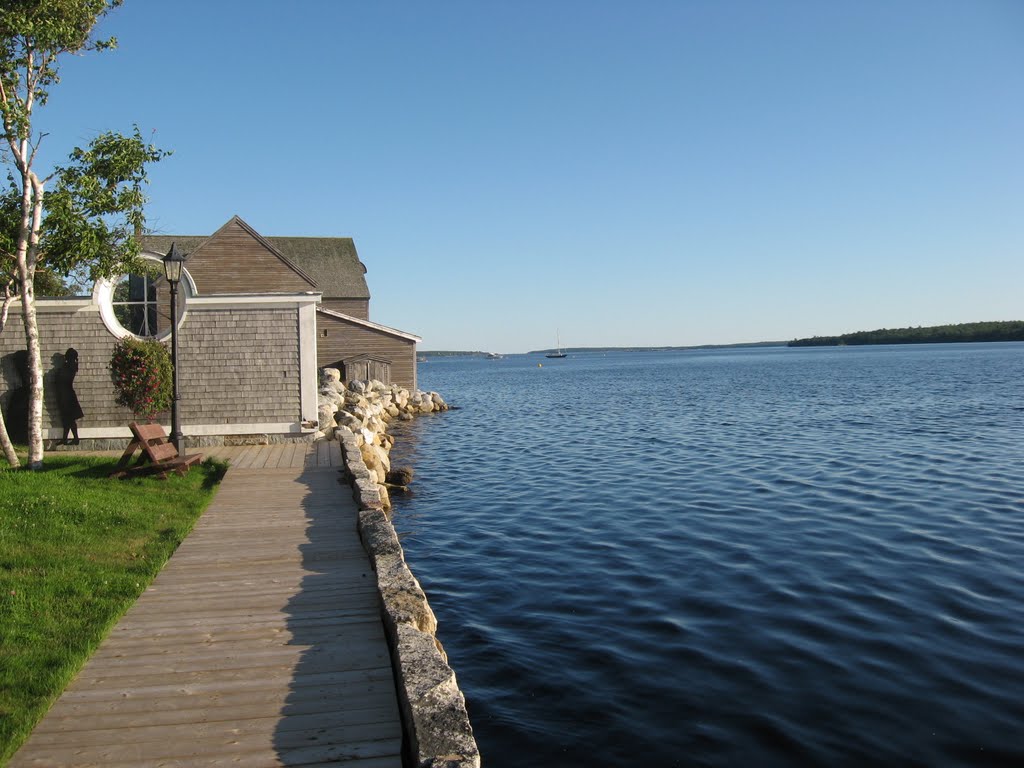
(437, 728)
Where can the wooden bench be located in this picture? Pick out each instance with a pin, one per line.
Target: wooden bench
(158, 455)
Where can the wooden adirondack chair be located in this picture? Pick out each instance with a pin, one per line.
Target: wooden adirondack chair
(158, 455)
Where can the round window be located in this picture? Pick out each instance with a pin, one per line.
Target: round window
(139, 304)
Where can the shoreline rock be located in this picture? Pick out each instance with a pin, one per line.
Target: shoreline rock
(364, 409)
(434, 717)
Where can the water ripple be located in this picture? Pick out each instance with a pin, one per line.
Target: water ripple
(770, 557)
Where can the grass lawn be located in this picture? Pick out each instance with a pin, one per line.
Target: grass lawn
(76, 550)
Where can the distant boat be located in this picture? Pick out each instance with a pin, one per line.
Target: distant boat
(559, 353)
(493, 356)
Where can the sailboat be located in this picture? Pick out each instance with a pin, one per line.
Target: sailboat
(559, 353)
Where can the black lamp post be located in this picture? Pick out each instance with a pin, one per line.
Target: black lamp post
(173, 262)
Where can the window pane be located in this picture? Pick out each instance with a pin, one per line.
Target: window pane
(137, 302)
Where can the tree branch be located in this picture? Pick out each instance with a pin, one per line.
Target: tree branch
(35, 148)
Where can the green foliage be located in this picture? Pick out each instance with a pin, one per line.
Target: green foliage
(33, 34)
(96, 207)
(76, 550)
(93, 203)
(1012, 330)
(142, 375)
(92, 212)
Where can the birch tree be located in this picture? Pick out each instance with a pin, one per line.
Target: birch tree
(90, 217)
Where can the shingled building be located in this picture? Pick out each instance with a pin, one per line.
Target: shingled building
(259, 315)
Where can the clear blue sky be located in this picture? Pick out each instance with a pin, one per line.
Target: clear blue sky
(653, 172)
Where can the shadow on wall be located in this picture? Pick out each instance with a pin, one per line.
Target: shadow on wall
(58, 388)
(15, 398)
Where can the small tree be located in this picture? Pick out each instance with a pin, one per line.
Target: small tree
(142, 376)
(96, 207)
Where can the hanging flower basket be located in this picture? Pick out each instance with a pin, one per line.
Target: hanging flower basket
(142, 374)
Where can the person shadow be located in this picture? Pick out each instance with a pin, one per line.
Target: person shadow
(341, 703)
(61, 393)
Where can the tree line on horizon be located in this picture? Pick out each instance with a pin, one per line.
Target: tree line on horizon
(1009, 330)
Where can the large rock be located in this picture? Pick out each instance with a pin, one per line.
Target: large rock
(325, 414)
(346, 419)
(400, 476)
(378, 535)
(380, 458)
(404, 600)
(383, 493)
(442, 734)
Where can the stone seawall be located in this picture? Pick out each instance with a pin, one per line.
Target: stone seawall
(437, 728)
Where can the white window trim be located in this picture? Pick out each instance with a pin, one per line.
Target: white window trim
(103, 298)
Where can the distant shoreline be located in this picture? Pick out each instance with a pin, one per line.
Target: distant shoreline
(1003, 330)
(578, 350)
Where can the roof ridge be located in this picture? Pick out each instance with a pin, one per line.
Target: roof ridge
(236, 219)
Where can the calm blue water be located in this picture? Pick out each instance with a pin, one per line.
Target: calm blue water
(744, 557)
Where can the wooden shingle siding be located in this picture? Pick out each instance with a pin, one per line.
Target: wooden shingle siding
(240, 366)
(235, 261)
(356, 307)
(338, 340)
(236, 366)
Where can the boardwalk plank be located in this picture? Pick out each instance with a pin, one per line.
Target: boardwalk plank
(301, 730)
(288, 456)
(243, 459)
(214, 621)
(357, 653)
(375, 708)
(237, 749)
(170, 690)
(200, 627)
(324, 598)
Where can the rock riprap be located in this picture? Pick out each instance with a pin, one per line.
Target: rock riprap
(364, 409)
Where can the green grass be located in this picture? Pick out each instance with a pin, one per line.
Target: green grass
(76, 550)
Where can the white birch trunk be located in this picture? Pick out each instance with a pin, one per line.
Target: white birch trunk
(35, 376)
(28, 243)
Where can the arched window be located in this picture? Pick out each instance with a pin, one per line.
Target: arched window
(139, 304)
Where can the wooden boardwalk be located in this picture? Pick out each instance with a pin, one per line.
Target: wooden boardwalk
(259, 644)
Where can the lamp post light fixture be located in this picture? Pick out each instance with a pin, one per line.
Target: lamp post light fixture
(173, 262)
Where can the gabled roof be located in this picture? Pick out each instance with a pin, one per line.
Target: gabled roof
(367, 324)
(329, 263)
